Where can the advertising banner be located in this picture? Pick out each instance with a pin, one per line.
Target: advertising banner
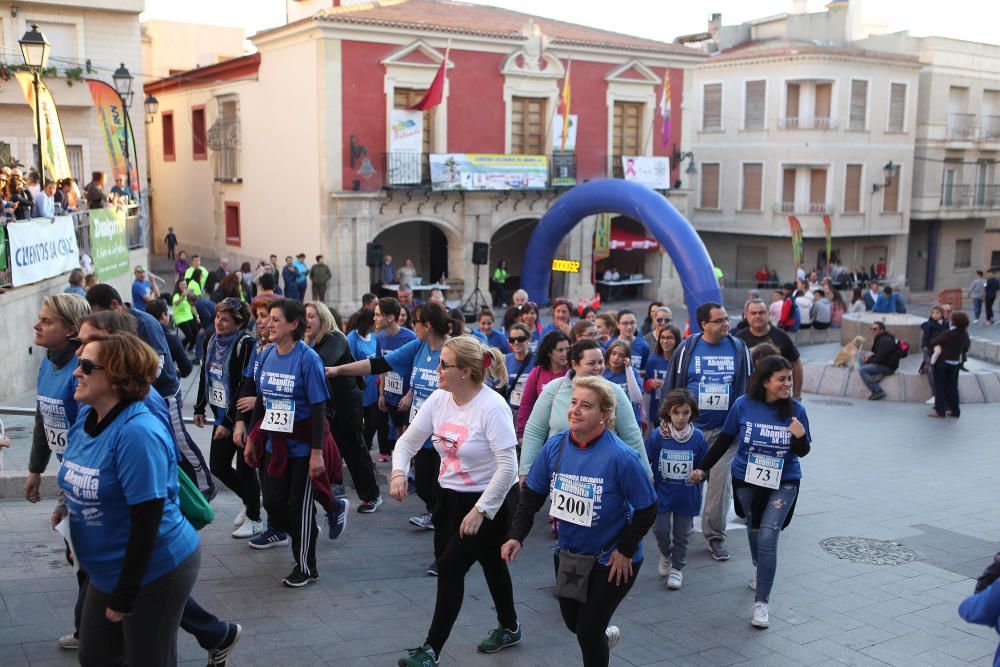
(41, 248)
(53, 145)
(406, 145)
(107, 242)
(117, 135)
(484, 171)
(557, 122)
(602, 237)
(653, 172)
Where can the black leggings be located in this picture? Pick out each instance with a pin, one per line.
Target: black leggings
(190, 331)
(426, 465)
(241, 480)
(357, 459)
(590, 619)
(376, 423)
(455, 555)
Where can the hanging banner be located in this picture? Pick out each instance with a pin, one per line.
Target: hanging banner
(406, 145)
(41, 248)
(54, 156)
(602, 237)
(828, 226)
(653, 172)
(796, 228)
(557, 122)
(484, 171)
(107, 242)
(118, 138)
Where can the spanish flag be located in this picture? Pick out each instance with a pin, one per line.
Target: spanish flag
(564, 107)
(665, 108)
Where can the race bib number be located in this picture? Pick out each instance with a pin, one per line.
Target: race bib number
(764, 471)
(279, 415)
(56, 428)
(713, 396)
(415, 408)
(676, 465)
(572, 502)
(517, 392)
(217, 394)
(393, 383)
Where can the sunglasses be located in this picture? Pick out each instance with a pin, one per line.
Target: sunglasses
(663, 320)
(518, 339)
(88, 366)
(444, 441)
(445, 365)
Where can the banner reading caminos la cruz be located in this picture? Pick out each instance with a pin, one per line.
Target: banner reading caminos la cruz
(54, 155)
(653, 172)
(117, 137)
(486, 171)
(107, 242)
(41, 248)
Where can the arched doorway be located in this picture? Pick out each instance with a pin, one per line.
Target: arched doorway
(420, 241)
(508, 243)
(675, 234)
(631, 254)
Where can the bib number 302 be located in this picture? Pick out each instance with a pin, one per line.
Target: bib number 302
(279, 415)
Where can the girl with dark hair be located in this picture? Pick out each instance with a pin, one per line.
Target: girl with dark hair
(658, 366)
(771, 432)
(551, 364)
(618, 369)
(363, 346)
(405, 318)
(529, 315)
(511, 316)
(950, 347)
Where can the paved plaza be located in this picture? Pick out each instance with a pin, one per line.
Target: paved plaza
(881, 471)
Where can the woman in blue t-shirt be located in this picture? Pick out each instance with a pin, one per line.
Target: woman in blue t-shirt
(619, 370)
(657, 368)
(493, 337)
(361, 340)
(574, 467)
(519, 363)
(771, 431)
(562, 316)
(530, 317)
(119, 477)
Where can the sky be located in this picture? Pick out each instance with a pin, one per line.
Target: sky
(972, 20)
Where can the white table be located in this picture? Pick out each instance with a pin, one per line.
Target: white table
(394, 287)
(614, 285)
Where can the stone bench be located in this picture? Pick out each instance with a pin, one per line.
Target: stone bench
(909, 387)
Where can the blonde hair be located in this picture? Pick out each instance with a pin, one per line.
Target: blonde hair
(470, 353)
(326, 321)
(70, 308)
(605, 393)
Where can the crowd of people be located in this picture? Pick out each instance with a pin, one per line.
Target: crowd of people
(25, 196)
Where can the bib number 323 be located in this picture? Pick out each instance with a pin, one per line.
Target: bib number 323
(279, 415)
(572, 502)
(764, 471)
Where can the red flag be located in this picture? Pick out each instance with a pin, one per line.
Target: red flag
(435, 94)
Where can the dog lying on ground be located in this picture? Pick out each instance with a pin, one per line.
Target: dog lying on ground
(848, 355)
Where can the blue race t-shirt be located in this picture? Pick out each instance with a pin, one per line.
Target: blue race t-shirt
(760, 432)
(55, 403)
(132, 461)
(497, 340)
(609, 481)
(657, 368)
(640, 353)
(672, 462)
(395, 384)
(513, 368)
(295, 380)
(711, 371)
(536, 338)
(140, 288)
(422, 363)
(151, 331)
(621, 379)
(365, 349)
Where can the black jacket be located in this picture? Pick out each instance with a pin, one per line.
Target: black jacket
(884, 352)
(932, 328)
(242, 349)
(344, 405)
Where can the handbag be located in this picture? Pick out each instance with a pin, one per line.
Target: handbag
(194, 506)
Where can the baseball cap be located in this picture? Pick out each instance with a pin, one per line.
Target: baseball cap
(140, 268)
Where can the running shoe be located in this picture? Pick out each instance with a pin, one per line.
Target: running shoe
(240, 518)
(500, 638)
(718, 549)
(69, 642)
(249, 528)
(663, 569)
(422, 521)
(369, 506)
(759, 619)
(422, 656)
(297, 579)
(675, 579)
(877, 396)
(432, 569)
(219, 655)
(614, 635)
(753, 579)
(338, 522)
(268, 539)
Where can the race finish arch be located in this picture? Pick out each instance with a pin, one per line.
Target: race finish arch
(638, 202)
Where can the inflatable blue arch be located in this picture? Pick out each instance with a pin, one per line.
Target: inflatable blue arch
(671, 229)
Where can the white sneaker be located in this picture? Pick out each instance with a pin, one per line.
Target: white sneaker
(249, 529)
(675, 579)
(614, 635)
(753, 579)
(240, 518)
(929, 401)
(69, 642)
(759, 615)
(975, 321)
(664, 567)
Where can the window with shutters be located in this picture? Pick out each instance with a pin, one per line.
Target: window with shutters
(963, 253)
(407, 97)
(527, 126)
(897, 107)
(817, 191)
(198, 149)
(821, 110)
(752, 181)
(711, 114)
(852, 189)
(75, 156)
(791, 118)
(709, 185)
(167, 118)
(788, 189)
(233, 223)
(859, 105)
(754, 105)
(626, 131)
(890, 194)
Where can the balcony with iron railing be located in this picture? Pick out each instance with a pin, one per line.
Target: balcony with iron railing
(797, 123)
(964, 196)
(803, 208)
(989, 128)
(962, 126)
(412, 170)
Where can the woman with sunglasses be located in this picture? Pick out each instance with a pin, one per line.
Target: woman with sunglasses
(662, 318)
(562, 316)
(471, 430)
(551, 364)
(658, 366)
(520, 362)
(227, 354)
(119, 476)
(648, 324)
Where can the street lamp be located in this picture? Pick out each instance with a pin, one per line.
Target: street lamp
(152, 106)
(679, 157)
(123, 85)
(888, 171)
(35, 50)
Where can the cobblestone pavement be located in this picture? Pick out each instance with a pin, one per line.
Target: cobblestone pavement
(878, 472)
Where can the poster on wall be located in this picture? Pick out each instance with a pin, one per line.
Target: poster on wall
(653, 172)
(557, 126)
(406, 144)
(42, 248)
(486, 171)
(602, 237)
(107, 243)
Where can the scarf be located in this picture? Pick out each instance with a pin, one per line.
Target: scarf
(219, 351)
(669, 431)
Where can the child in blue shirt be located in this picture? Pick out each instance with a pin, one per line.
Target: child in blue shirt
(674, 450)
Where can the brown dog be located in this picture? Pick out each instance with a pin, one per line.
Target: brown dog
(848, 355)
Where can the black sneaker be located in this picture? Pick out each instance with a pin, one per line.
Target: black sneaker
(218, 656)
(296, 579)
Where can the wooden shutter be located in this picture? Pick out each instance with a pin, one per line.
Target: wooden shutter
(788, 189)
(897, 107)
(407, 97)
(232, 223)
(890, 201)
(169, 153)
(710, 185)
(817, 186)
(627, 129)
(792, 103)
(198, 149)
(712, 112)
(859, 104)
(527, 126)
(824, 92)
(752, 173)
(852, 189)
(753, 113)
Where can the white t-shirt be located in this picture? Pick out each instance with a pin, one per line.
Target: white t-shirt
(466, 436)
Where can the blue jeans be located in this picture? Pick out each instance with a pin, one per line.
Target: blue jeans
(203, 626)
(764, 540)
(868, 373)
(977, 307)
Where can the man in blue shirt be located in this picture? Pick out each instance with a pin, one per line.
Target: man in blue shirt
(303, 273)
(290, 279)
(144, 291)
(45, 200)
(715, 367)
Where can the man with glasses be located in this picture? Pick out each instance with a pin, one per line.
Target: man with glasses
(662, 318)
(759, 330)
(881, 361)
(714, 366)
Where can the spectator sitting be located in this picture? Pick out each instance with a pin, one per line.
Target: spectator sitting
(90, 280)
(821, 312)
(45, 200)
(881, 361)
(889, 302)
(122, 191)
(872, 295)
(76, 283)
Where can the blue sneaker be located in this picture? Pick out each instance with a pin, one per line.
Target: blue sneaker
(269, 538)
(338, 521)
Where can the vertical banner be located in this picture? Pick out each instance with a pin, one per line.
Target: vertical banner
(107, 242)
(557, 140)
(3, 248)
(828, 227)
(602, 237)
(117, 134)
(54, 157)
(665, 108)
(796, 227)
(406, 145)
